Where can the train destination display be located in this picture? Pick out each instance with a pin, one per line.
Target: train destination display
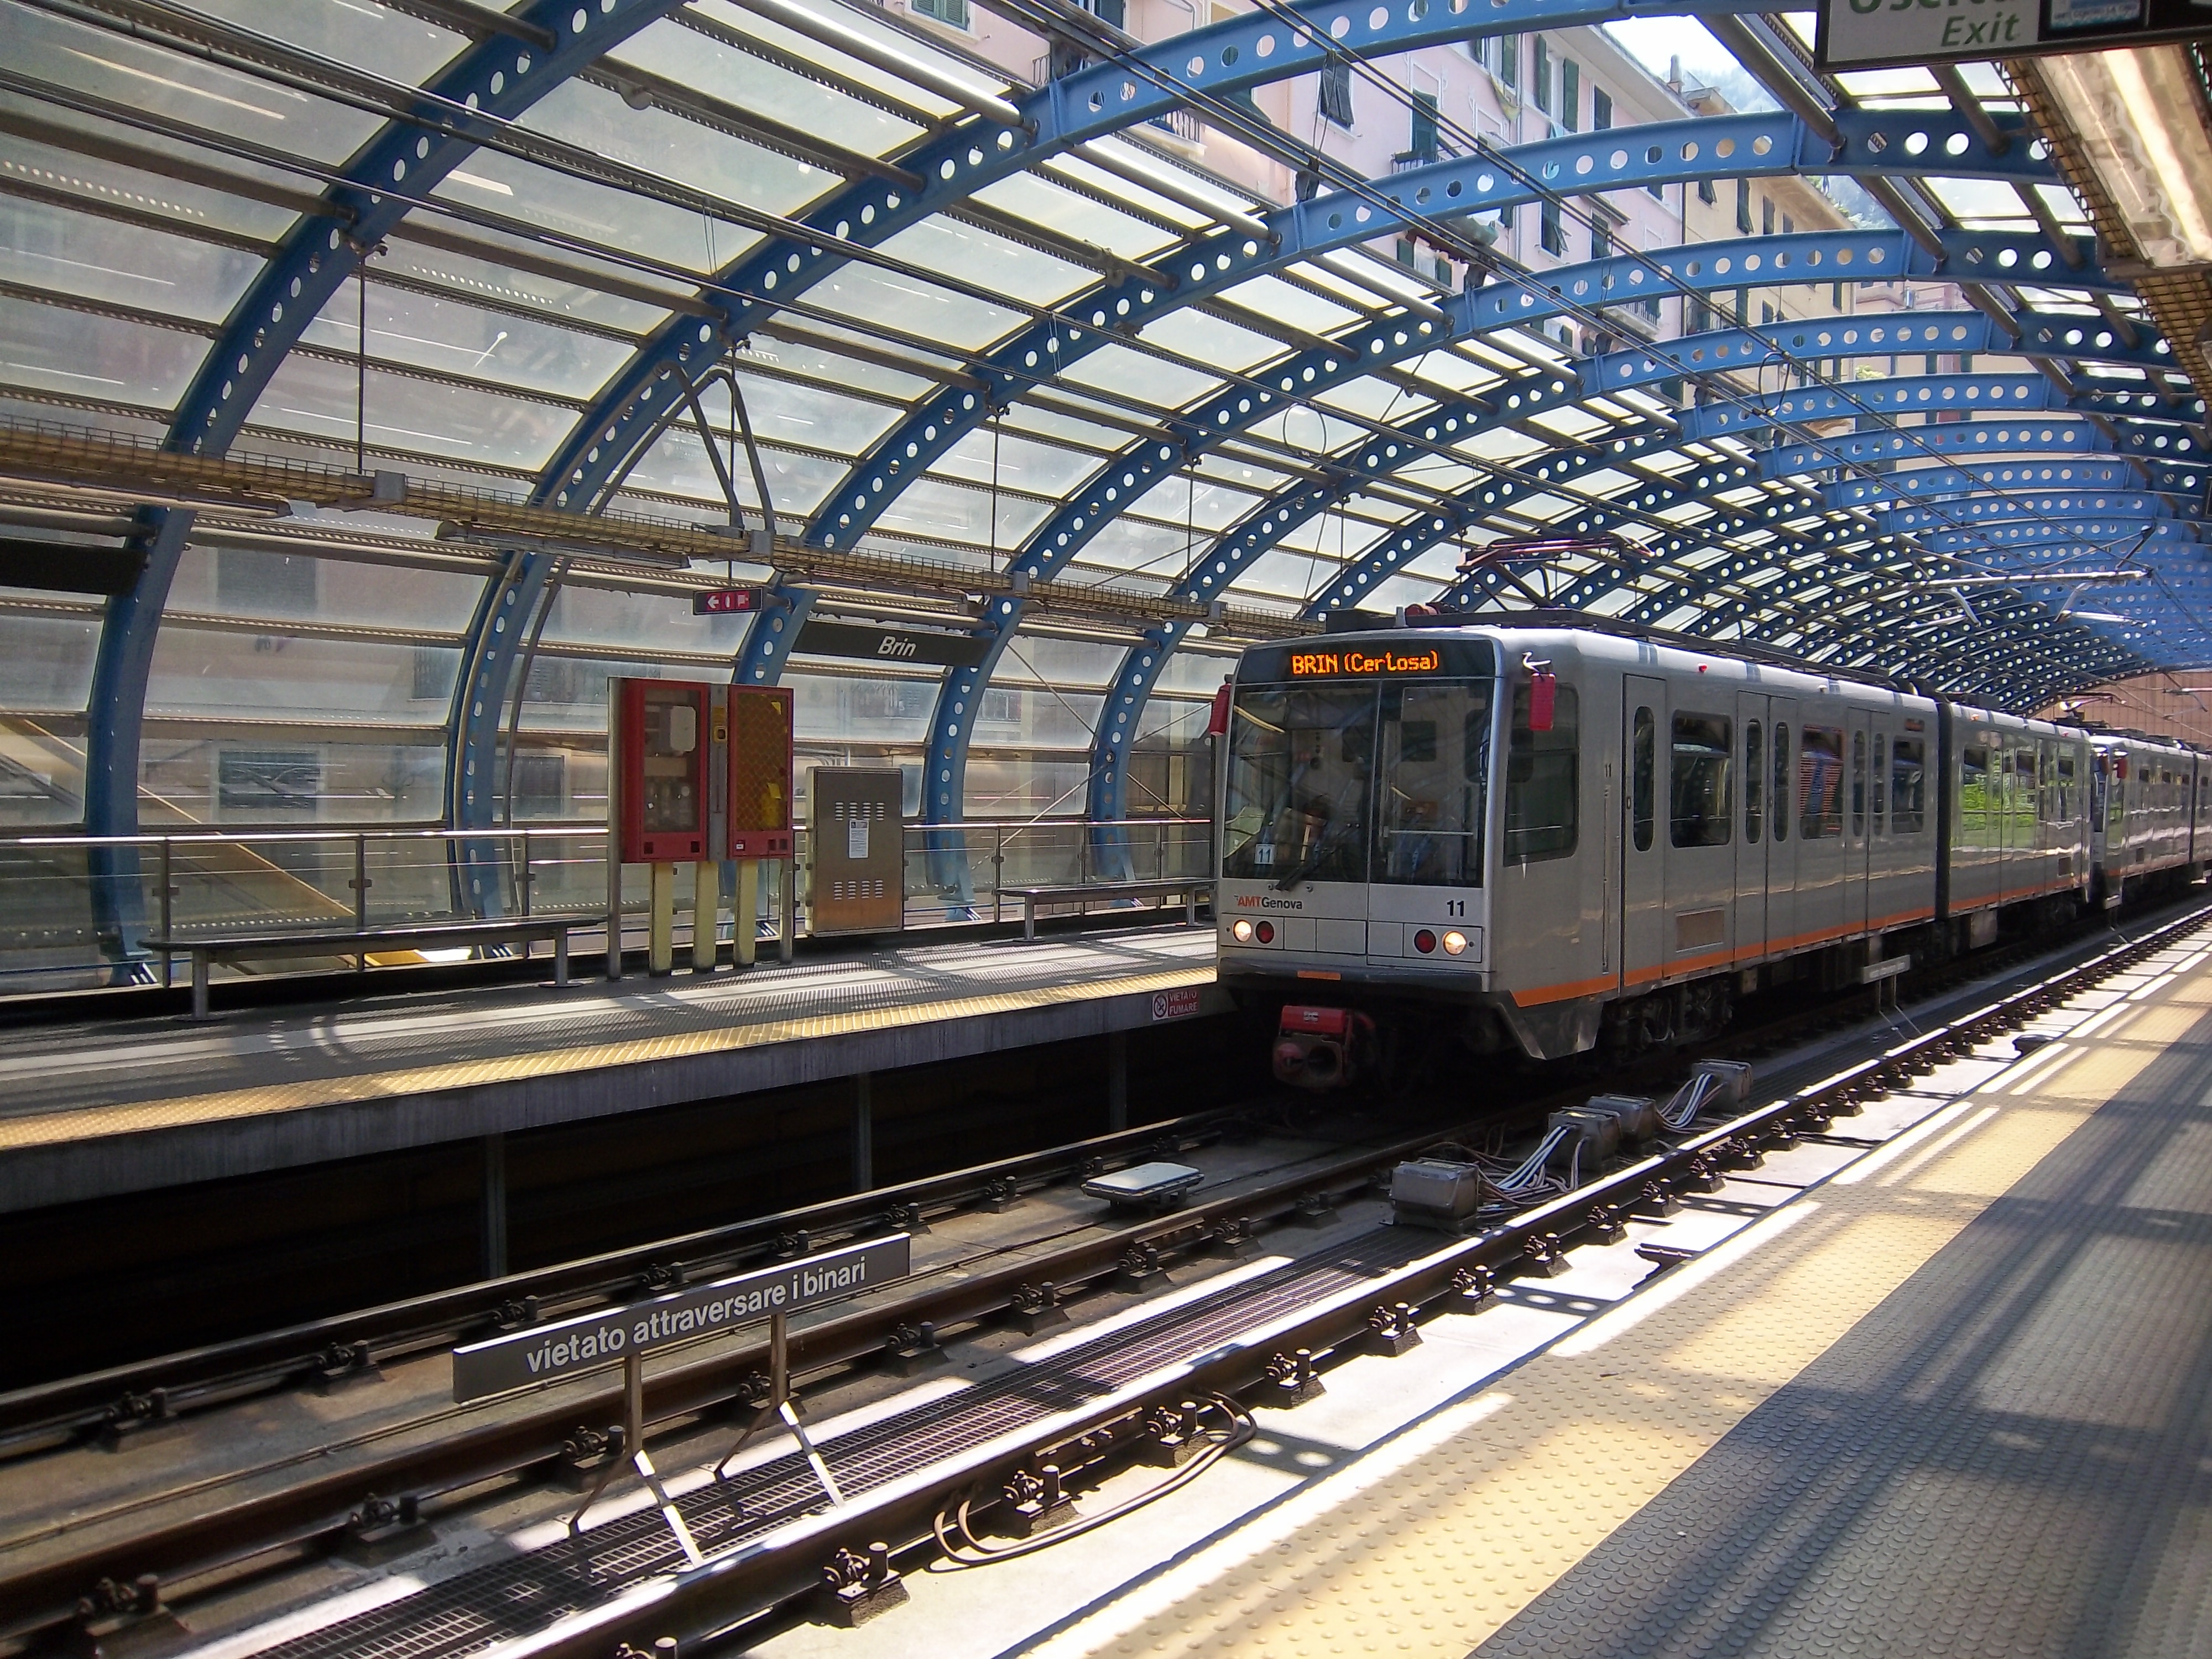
(570, 1347)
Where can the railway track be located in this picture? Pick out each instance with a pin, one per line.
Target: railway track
(530, 1441)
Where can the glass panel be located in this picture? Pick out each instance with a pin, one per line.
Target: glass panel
(268, 579)
(77, 254)
(1820, 782)
(643, 622)
(41, 780)
(693, 58)
(277, 777)
(55, 168)
(1858, 785)
(141, 77)
(1644, 770)
(927, 312)
(550, 295)
(1782, 784)
(1298, 765)
(1701, 786)
(457, 338)
(1974, 797)
(977, 255)
(1908, 786)
(102, 358)
(201, 671)
(1431, 784)
(317, 398)
(1754, 784)
(1028, 197)
(1543, 782)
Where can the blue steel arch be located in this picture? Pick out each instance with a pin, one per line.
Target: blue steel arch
(495, 80)
(1691, 354)
(942, 171)
(1760, 145)
(1121, 480)
(2168, 479)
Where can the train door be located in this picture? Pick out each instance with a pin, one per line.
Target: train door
(1754, 724)
(1644, 831)
(1782, 851)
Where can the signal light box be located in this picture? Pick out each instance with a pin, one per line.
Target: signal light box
(757, 811)
(662, 730)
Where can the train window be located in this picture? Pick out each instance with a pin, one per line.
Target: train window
(1858, 786)
(1781, 814)
(1643, 766)
(1542, 787)
(1974, 797)
(1879, 778)
(2068, 795)
(1908, 786)
(1435, 748)
(1754, 784)
(1819, 782)
(1700, 785)
(1298, 766)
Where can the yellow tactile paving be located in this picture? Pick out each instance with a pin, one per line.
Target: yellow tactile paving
(90, 1123)
(1429, 1564)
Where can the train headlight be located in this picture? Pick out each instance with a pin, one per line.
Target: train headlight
(1267, 931)
(1454, 943)
(1425, 941)
(1241, 931)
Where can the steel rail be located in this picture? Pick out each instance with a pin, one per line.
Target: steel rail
(712, 1601)
(316, 1511)
(216, 1372)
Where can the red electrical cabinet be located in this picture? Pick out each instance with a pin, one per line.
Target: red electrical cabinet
(758, 808)
(662, 745)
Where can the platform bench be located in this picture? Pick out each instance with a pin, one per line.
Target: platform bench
(1192, 891)
(366, 942)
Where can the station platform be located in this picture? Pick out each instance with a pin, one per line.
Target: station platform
(1939, 1382)
(91, 1109)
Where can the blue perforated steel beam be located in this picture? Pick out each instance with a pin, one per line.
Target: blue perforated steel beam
(1767, 144)
(1132, 686)
(1141, 466)
(495, 81)
(2174, 482)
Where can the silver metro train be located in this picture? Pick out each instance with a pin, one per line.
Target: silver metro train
(1552, 839)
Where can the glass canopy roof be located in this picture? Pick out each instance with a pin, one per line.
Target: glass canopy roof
(977, 323)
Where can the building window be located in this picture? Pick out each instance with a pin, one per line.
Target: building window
(1706, 192)
(1788, 226)
(1601, 237)
(1539, 76)
(1406, 253)
(1766, 216)
(1743, 206)
(1601, 109)
(954, 12)
(1766, 311)
(1836, 296)
(1743, 306)
(1424, 145)
(1336, 91)
(1698, 316)
(1571, 95)
(1549, 233)
(1509, 61)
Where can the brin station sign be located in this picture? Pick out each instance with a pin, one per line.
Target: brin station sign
(1879, 34)
(570, 1347)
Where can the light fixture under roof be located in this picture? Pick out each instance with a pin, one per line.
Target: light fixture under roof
(2144, 129)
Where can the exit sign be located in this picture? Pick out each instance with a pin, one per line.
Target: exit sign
(725, 602)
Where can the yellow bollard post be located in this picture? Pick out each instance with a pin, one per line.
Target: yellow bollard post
(661, 958)
(706, 915)
(746, 907)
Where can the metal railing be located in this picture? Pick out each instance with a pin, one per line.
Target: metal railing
(191, 882)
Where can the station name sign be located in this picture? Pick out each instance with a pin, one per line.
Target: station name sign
(570, 1347)
(1884, 33)
(1362, 661)
(824, 639)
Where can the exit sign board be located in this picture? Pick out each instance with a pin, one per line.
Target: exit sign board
(725, 602)
(1885, 33)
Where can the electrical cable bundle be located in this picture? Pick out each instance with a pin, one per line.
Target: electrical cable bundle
(1683, 1106)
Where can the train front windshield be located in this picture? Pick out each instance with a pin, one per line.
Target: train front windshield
(1359, 782)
